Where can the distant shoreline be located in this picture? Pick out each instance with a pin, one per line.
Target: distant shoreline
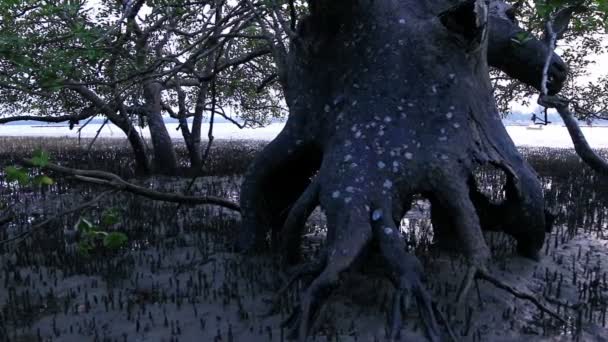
(553, 135)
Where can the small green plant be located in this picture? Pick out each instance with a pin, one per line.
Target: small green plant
(21, 175)
(93, 236)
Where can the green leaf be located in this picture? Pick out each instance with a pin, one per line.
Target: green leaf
(110, 217)
(85, 248)
(41, 158)
(17, 174)
(43, 180)
(115, 240)
(84, 225)
(521, 38)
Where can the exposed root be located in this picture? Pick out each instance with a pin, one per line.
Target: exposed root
(342, 251)
(291, 234)
(406, 273)
(445, 322)
(308, 269)
(466, 284)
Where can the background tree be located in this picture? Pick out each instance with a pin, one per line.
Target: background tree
(129, 68)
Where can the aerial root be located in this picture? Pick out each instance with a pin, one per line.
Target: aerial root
(480, 273)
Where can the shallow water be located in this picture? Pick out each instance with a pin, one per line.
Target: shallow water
(549, 136)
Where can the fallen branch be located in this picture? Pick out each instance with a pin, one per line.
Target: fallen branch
(116, 182)
(53, 218)
(519, 294)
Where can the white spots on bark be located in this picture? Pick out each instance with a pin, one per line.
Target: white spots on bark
(347, 143)
(388, 119)
(443, 138)
(327, 108)
(388, 230)
(381, 165)
(402, 21)
(299, 142)
(456, 125)
(452, 76)
(381, 133)
(444, 157)
(434, 89)
(350, 189)
(348, 157)
(358, 134)
(387, 184)
(449, 115)
(354, 128)
(410, 104)
(335, 194)
(409, 155)
(377, 215)
(354, 103)
(356, 85)
(348, 199)
(442, 131)
(353, 165)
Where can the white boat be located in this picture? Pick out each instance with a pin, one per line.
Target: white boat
(535, 126)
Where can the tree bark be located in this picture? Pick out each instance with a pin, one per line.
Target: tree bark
(142, 164)
(165, 159)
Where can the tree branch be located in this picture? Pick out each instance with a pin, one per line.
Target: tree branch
(116, 182)
(581, 146)
(84, 114)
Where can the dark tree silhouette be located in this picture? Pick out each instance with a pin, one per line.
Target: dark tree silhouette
(389, 99)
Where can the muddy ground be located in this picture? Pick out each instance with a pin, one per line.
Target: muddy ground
(179, 280)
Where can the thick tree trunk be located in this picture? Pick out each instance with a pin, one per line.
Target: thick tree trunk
(195, 149)
(165, 159)
(389, 99)
(193, 145)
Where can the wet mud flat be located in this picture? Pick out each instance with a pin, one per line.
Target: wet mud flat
(180, 280)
